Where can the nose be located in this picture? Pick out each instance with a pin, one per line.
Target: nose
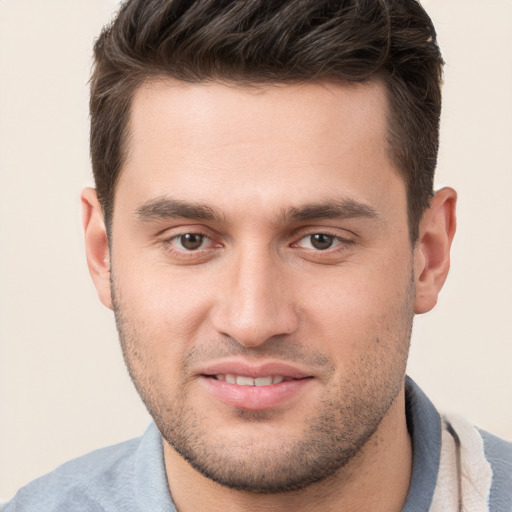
(254, 301)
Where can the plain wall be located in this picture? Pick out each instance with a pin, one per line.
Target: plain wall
(63, 386)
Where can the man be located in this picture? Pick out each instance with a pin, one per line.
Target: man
(264, 228)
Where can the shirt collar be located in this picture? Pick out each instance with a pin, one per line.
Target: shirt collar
(424, 425)
(151, 487)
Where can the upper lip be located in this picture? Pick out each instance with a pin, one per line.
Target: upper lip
(251, 369)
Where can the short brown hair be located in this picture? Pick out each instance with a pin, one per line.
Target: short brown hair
(268, 41)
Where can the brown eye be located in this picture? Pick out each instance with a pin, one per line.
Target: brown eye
(321, 241)
(191, 241)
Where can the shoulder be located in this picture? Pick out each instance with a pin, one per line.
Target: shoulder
(498, 454)
(488, 458)
(497, 450)
(94, 482)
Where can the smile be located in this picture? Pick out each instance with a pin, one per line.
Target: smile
(254, 393)
(243, 380)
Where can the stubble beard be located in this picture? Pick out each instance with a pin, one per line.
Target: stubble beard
(264, 467)
(346, 419)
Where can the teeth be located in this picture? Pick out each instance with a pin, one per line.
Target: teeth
(263, 381)
(242, 380)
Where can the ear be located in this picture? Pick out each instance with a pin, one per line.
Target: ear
(96, 244)
(432, 250)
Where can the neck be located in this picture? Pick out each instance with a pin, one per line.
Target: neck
(377, 478)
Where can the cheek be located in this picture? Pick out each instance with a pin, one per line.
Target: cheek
(159, 294)
(362, 308)
(159, 317)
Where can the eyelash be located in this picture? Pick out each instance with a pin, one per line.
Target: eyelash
(169, 247)
(341, 244)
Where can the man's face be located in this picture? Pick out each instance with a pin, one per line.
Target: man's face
(262, 275)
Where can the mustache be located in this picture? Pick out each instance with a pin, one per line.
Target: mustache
(279, 349)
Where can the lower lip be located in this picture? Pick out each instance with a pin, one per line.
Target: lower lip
(254, 397)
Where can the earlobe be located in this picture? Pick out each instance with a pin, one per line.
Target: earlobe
(432, 250)
(96, 245)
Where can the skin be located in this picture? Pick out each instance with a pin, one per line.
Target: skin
(254, 178)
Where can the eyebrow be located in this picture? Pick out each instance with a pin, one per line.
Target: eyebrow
(162, 208)
(338, 209)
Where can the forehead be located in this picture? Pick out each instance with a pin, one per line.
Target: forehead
(275, 114)
(212, 141)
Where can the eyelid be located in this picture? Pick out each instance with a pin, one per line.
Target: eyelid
(167, 240)
(181, 229)
(337, 242)
(202, 235)
(343, 235)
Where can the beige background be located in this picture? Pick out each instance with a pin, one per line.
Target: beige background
(63, 386)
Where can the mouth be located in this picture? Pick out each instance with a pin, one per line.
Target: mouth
(244, 380)
(245, 386)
